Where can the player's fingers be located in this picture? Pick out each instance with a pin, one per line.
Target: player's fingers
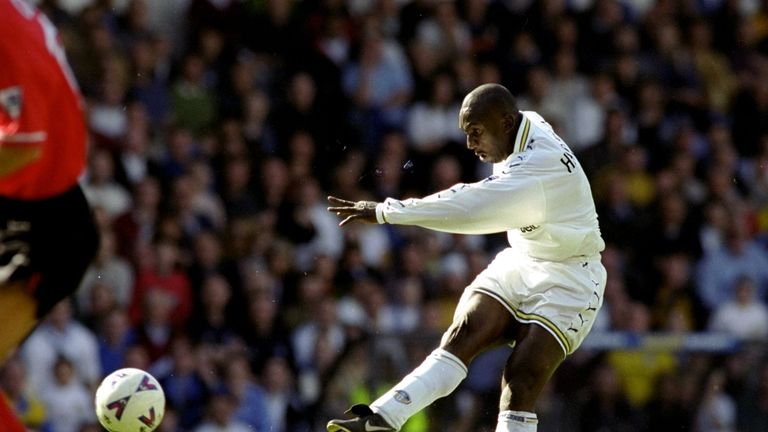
(334, 200)
(341, 210)
(349, 219)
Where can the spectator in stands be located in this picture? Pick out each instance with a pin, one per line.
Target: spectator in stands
(115, 339)
(61, 335)
(185, 390)
(135, 228)
(605, 406)
(100, 187)
(740, 255)
(301, 110)
(717, 410)
(150, 85)
(106, 116)
(380, 84)
(24, 400)
(638, 371)
(220, 411)
(194, 208)
(666, 410)
(235, 189)
(179, 151)
(317, 342)
(541, 97)
(265, 333)
(250, 398)
(109, 269)
(192, 101)
(282, 399)
(67, 399)
(567, 86)
(712, 231)
(444, 33)
(717, 79)
(132, 159)
(165, 276)
(744, 316)
(431, 124)
(209, 257)
(753, 403)
(328, 239)
(675, 305)
(156, 330)
(212, 323)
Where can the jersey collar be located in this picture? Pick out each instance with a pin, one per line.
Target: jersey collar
(523, 132)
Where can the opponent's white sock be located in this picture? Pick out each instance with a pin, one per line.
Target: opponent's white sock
(517, 421)
(439, 375)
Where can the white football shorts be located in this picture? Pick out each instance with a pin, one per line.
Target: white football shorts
(563, 297)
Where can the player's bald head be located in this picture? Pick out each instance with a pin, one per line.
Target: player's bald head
(488, 98)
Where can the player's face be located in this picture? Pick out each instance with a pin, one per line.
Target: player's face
(488, 136)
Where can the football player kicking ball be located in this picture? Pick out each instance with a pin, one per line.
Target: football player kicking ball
(47, 233)
(540, 294)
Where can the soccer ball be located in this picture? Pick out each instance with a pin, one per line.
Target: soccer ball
(130, 400)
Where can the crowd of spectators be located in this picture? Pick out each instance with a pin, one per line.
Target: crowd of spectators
(217, 128)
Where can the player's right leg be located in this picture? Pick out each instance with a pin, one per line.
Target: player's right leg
(45, 248)
(479, 323)
(17, 303)
(536, 356)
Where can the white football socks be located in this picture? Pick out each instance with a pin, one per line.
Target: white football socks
(517, 421)
(439, 375)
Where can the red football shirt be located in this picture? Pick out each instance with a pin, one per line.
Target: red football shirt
(40, 104)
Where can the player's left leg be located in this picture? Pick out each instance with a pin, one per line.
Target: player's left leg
(45, 248)
(480, 322)
(17, 303)
(536, 356)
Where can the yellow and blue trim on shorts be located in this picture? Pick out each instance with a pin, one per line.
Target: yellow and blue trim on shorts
(531, 318)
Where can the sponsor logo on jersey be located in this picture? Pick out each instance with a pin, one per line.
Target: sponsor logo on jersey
(10, 102)
(402, 397)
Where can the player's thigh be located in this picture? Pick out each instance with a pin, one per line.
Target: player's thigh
(536, 357)
(479, 323)
(19, 308)
(64, 249)
(60, 239)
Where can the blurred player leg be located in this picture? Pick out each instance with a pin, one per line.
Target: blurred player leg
(46, 247)
(15, 302)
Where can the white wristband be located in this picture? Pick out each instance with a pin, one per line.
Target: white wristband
(380, 213)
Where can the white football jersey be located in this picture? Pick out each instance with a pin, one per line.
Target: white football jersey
(539, 195)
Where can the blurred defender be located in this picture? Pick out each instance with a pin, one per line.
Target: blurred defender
(541, 294)
(47, 233)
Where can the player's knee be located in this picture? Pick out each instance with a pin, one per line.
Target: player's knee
(521, 392)
(467, 337)
(456, 333)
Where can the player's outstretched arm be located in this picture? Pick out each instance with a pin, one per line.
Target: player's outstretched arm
(353, 211)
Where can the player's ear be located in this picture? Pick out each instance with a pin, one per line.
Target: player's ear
(508, 123)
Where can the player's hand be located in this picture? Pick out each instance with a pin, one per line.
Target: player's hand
(351, 211)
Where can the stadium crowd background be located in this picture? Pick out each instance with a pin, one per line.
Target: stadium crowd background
(219, 126)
